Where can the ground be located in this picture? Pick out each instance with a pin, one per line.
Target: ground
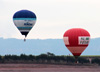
(48, 68)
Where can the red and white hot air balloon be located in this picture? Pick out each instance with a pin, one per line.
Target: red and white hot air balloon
(76, 40)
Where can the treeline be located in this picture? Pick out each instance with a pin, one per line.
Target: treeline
(48, 58)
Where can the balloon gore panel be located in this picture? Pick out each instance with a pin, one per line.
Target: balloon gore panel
(24, 14)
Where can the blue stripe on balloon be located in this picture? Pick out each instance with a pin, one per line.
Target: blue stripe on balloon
(24, 14)
(24, 18)
(23, 28)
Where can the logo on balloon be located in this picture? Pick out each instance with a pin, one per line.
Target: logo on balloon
(66, 40)
(27, 23)
(84, 40)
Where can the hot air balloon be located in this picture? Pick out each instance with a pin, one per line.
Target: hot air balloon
(76, 40)
(24, 20)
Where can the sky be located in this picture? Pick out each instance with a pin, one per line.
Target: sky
(54, 17)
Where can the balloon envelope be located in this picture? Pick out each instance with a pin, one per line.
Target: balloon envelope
(24, 20)
(76, 40)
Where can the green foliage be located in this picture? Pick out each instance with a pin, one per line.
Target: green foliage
(96, 60)
(0, 57)
(83, 60)
(70, 59)
(46, 58)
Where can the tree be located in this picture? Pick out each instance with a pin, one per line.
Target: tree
(96, 60)
(70, 59)
(83, 60)
(23, 57)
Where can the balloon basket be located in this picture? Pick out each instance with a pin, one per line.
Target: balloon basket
(76, 59)
(24, 40)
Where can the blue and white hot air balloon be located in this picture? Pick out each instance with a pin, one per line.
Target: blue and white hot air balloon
(24, 20)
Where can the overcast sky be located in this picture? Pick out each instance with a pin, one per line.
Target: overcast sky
(54, 17)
